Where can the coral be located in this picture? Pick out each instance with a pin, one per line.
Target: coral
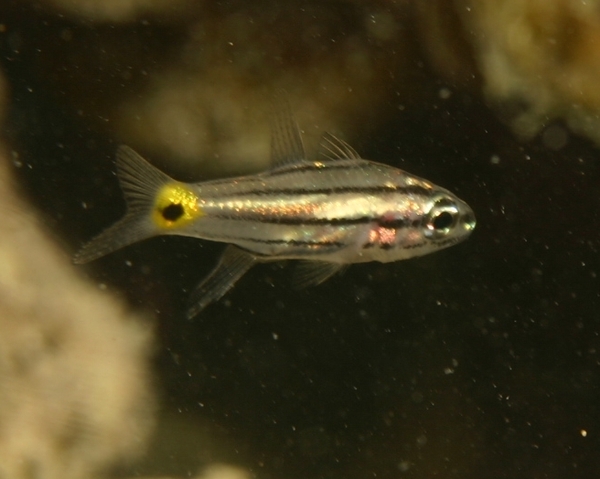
(119, 10)
(197, 93)
(537, 60)
(74, 380)
(216, 471)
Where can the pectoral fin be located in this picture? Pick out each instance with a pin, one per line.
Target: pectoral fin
(312, 273)
(232, 265)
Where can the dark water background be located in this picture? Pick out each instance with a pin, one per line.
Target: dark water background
(478, 361)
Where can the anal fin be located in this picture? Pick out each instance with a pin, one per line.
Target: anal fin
(312, 273)
(232, 265)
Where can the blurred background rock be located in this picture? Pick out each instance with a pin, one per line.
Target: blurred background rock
(191, 84)
(74, 377)
(534, 61)
(479, 362)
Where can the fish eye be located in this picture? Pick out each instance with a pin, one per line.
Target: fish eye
(443, 221)
(442, 217)
(172, 212)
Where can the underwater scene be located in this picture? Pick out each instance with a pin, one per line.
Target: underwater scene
(299, 239)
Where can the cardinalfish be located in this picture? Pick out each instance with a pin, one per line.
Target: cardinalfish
(329, 213)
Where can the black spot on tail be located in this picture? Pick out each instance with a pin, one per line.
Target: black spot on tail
(172, 212)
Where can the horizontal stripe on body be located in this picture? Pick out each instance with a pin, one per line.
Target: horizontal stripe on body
(333, 190)
(299, 221)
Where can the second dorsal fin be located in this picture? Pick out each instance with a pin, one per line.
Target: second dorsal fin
(334, 148)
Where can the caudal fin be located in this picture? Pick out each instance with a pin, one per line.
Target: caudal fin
(140, 182)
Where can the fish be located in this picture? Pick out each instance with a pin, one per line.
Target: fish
(329, 212)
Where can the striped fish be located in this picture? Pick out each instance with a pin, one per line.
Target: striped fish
(330, 212)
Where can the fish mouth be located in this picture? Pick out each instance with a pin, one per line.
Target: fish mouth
(468, 221)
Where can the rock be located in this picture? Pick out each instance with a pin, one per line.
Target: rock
(536, 61)
(74, 377)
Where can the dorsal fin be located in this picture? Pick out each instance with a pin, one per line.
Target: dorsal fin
(334, 148)
(286, 142)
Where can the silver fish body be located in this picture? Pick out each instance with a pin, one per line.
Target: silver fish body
(331, 213)
(343, 211)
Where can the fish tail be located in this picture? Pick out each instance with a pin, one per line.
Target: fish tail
(141, 184)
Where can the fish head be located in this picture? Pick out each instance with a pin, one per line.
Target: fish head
(418, 223)
(446, 220)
